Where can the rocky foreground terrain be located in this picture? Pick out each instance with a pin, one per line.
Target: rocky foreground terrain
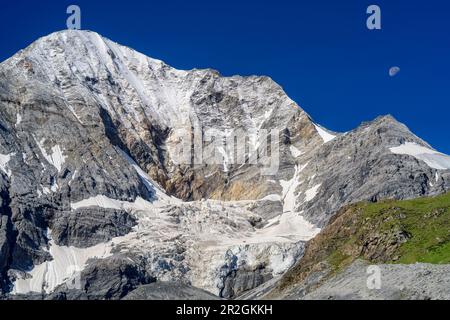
(123, 177)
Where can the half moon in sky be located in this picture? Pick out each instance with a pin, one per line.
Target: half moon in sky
(393, 71)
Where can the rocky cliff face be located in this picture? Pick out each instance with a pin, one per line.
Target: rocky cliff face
(99, 158)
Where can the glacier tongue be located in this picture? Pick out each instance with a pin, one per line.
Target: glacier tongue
(217, 238)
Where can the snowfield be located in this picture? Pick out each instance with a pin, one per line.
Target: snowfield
(432, 158)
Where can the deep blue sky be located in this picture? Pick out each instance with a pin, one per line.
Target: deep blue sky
(320, 51)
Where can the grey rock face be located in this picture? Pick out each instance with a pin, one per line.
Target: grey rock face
(240, 281)
(90, 226)
(110, 278)
(82, 117)
(6, 241)
(398, 282)
(169, 291)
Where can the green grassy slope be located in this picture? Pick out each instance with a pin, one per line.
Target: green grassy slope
(385, 232)
(425, 220)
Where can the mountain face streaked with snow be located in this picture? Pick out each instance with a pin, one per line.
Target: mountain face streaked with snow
(95, 201)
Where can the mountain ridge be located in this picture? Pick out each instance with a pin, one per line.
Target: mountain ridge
(90, 167)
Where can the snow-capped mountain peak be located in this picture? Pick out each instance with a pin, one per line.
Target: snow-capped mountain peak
(91, 166)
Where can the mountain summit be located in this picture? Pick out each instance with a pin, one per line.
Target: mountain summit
(117, 170)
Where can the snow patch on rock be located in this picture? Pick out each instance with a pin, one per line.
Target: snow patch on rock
(151, 186)
(289, 188)
(108, 203)
(326, 136)
(4, 159)
(19, 119)
(311, 193)
(432, 158)
(295, 152)
(56, 158)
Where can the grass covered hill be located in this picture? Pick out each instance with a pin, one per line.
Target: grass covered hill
(394, 232)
